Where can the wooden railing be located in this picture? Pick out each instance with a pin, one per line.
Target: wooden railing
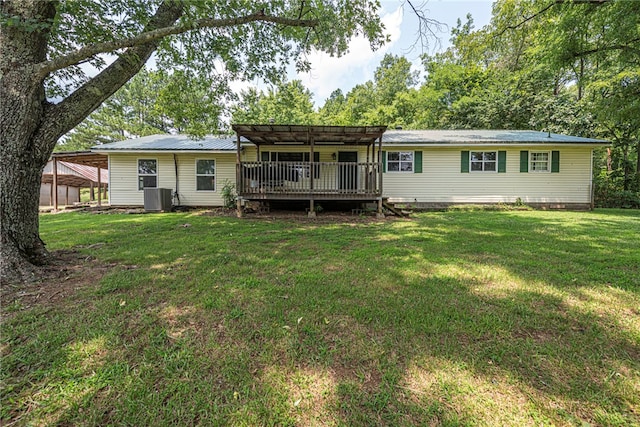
(305, 178)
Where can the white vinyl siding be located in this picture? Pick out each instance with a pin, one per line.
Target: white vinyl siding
(124, 174)
(442, 181)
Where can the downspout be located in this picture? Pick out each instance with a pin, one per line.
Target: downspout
(380, 160)
(176, 195)
(591, 189)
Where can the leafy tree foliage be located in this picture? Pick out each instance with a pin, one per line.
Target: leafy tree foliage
(153, 102)
(288, 103)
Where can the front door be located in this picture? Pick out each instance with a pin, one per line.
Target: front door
(348, 172)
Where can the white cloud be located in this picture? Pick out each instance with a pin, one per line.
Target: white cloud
(357, 66)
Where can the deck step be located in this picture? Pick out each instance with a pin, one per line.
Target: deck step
(398, 212)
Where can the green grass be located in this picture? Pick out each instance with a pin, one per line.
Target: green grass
(450, 318)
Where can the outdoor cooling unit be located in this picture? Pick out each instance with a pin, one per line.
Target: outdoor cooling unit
(157, 199)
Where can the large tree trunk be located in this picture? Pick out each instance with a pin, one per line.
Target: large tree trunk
(22, 158)
(31, 126)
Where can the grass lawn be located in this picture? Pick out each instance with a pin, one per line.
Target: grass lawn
(449, 318)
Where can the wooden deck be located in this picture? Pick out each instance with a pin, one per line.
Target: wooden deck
(274, 180)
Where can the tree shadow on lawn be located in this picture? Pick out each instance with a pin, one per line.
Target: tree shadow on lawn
(475, 335)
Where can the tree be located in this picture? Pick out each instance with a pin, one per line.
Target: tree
(153, 102)
(331, 111)
(288, 103)
(45, 92)
(592, 47)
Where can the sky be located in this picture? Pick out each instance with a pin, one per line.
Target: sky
(359, 64)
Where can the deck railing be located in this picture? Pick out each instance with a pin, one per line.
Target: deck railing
(332, 179)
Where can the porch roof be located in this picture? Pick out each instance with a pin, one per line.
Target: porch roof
(303, 134)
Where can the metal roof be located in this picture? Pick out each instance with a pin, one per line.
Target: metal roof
(86, 158)
(471, 137)
(302, 134)
(74, 174)
(335, 135)
(170, 143)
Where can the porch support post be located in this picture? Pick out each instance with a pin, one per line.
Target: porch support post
(312, 208)
(311, 163)
(91, 193)
(380, 214)
(380, 165)
(367, 170)
(54, 184)
(312, 171)
(99, 187)
(238, 178)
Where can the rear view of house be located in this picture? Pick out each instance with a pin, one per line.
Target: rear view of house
(428, 168)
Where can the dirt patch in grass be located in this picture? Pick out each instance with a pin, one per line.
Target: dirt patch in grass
(68, 272)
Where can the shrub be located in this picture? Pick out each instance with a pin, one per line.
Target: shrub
(229, 195)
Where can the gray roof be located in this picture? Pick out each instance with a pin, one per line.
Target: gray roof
(470, 137)
(400, 137)
(171, 143)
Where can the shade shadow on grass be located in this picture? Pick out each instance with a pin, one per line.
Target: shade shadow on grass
(452, 319)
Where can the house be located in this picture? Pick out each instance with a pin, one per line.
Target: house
(69, 178)
(427, 168)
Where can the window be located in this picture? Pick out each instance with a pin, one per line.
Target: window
(289, 157)
(483, 161)
(206, 175)
(400, 161)
(147, 173)
(303, 170)
(539, 161)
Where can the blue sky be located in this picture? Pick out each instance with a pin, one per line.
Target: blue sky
(359, 64)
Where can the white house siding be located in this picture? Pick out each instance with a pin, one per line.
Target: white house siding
(441, 180)
(124, 177)
(225, 171)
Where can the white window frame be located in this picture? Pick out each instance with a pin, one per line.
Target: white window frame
(146, 174)
(215, 167)
(531, 162)
(471, 161)
(400, 161)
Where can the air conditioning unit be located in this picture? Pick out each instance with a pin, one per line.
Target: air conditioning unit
(157, 199)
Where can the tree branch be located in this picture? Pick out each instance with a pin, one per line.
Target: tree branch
(630, 46)
(544, 9)
(60, 118)
(425, 26)
(149, 36)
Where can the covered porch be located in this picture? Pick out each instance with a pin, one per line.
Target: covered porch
(352, 174)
